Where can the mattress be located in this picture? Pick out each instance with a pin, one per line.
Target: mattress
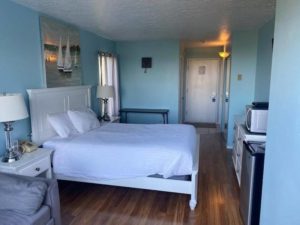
(115, 151)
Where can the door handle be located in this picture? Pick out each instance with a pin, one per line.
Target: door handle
(227, 96)
(213, 97)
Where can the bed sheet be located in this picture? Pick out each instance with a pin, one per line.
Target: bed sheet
(115, 151)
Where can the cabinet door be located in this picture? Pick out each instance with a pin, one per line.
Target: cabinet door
(235, 144)
(237, 154)
(240, 140)
(234, 155)
(236, 131)
(238, 172)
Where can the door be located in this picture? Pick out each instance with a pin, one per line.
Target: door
(225, 100)
(201, 101)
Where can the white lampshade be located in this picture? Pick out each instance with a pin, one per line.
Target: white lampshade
(105, 91)
(12, 107)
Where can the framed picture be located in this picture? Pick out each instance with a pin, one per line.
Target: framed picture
(61, 47)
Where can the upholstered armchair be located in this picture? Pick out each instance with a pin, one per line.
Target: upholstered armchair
(28, 200)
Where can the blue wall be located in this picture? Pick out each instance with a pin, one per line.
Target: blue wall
(243, 61)
(264, 61)
(159, 87)
(21, 65)
(20, 57)
(281, 186)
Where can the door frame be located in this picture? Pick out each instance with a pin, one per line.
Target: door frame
(182, 99)
(226, 87)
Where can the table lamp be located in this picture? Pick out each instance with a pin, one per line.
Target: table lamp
(12, 108)
(105, 92)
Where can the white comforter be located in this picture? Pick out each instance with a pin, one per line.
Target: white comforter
(125, 150)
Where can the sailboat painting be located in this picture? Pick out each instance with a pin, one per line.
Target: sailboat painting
(61, 46)
(68, 59)
(60, 62)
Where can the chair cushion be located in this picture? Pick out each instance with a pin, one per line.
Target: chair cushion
(20, 195)
(41, 217)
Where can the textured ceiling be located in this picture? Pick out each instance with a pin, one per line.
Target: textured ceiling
(208, 20)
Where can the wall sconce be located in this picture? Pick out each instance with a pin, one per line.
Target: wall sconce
(146, 63)
(224, 54)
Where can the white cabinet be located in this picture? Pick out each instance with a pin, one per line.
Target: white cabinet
(237, 153)
(240, 135)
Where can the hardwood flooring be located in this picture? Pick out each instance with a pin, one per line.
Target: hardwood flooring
(218, 199)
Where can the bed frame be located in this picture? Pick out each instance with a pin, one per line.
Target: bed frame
(54, 100)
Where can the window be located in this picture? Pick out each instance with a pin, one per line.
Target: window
(108, 75)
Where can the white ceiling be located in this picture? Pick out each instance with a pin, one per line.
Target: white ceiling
(209, 20)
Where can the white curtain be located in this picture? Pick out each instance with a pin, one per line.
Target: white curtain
(108, 75)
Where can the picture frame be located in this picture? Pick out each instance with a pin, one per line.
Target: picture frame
(61, 48)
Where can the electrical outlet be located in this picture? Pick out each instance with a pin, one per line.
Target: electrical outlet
(239, 76)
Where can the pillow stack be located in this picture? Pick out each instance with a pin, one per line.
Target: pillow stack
(62, 124)
(84, 121)
(73, 122)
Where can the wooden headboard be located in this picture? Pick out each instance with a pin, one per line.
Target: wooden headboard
(54, 100)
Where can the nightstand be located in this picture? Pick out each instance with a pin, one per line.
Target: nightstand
(31, 164)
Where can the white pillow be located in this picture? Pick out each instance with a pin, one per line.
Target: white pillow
(84, 121)
(62, 124)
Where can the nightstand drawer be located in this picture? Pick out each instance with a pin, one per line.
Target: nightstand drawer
(36, 168)
(31, 164)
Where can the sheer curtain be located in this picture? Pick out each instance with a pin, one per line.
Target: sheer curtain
(108, 75)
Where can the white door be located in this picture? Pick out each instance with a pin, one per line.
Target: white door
(226, 97)
(201, 100)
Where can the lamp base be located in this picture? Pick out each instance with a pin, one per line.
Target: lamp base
(11, 156)
(105, 117)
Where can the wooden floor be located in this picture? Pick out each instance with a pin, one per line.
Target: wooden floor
(217, 197)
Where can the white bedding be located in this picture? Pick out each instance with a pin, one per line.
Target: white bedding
(115, 151)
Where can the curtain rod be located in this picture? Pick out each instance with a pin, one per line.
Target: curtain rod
(109, 54)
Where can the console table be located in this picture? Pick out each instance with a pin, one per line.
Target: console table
(163, 112)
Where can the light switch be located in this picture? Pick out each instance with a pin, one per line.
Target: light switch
(239, 76)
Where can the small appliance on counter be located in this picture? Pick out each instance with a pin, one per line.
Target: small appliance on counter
(257, 117)
(253, 137)
(251, 181)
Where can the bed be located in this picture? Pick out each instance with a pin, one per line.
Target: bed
(152, 156)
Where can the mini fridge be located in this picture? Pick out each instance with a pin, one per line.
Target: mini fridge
(251, 182)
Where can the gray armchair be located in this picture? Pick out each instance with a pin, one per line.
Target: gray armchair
(28, 200)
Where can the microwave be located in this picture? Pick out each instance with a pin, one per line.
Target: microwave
(257, 118)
